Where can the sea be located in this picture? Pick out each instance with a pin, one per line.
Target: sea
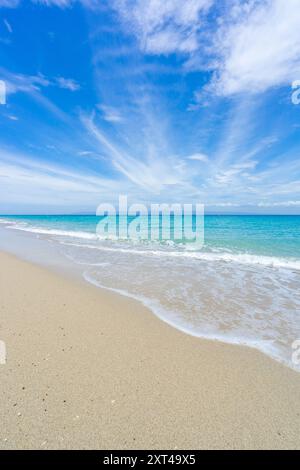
(241, 286)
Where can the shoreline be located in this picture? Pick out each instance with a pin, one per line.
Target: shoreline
(120, 377)
(38, 251)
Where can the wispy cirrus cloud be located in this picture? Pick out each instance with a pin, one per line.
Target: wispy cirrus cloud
(153, 174)
(57, 3)
(9, 3)
(18, 82)
(91, 4)
(12, 117)
(164, 26)
(109, 113)
(53, 183)
(199, 157)
(67, 83)
(279, 204)
(8, 25)
(33, 86)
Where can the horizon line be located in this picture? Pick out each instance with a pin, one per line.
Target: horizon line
(87, 214)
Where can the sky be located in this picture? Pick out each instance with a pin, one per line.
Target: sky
(161, 100)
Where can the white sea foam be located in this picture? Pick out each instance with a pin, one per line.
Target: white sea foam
(186, 252)
(241, 258)
(6, 222)
(64, 233)
(265, 346)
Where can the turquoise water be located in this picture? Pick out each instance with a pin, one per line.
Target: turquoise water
(241, 287)
(275, 236)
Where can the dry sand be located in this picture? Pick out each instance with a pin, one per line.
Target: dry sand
(90, 369)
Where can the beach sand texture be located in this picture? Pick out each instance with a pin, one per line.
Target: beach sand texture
(87, 368)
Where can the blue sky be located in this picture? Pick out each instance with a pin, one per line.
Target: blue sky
(163, 100)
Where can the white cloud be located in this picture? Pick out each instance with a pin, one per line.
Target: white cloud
(9, 3)
(109, 113)
(8, 26)
(54, 183)
(258, 48)
(279, 204)
(67, 83)
(24, 83)
(201, 157)
(164, 26)
(85, 153)
(152, 174)
(248, 165)
(250, 46)
(91, 4)
(30, 83)
(223, 204)
(57, 3)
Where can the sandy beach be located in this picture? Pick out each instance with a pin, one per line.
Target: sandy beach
(87, 368)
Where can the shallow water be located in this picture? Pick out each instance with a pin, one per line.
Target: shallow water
(242, 287)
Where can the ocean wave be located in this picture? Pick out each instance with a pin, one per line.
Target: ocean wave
(188, 252)
(241, 258)
(86, 235)
(267, 347)
(57, 232)
(7, 222)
